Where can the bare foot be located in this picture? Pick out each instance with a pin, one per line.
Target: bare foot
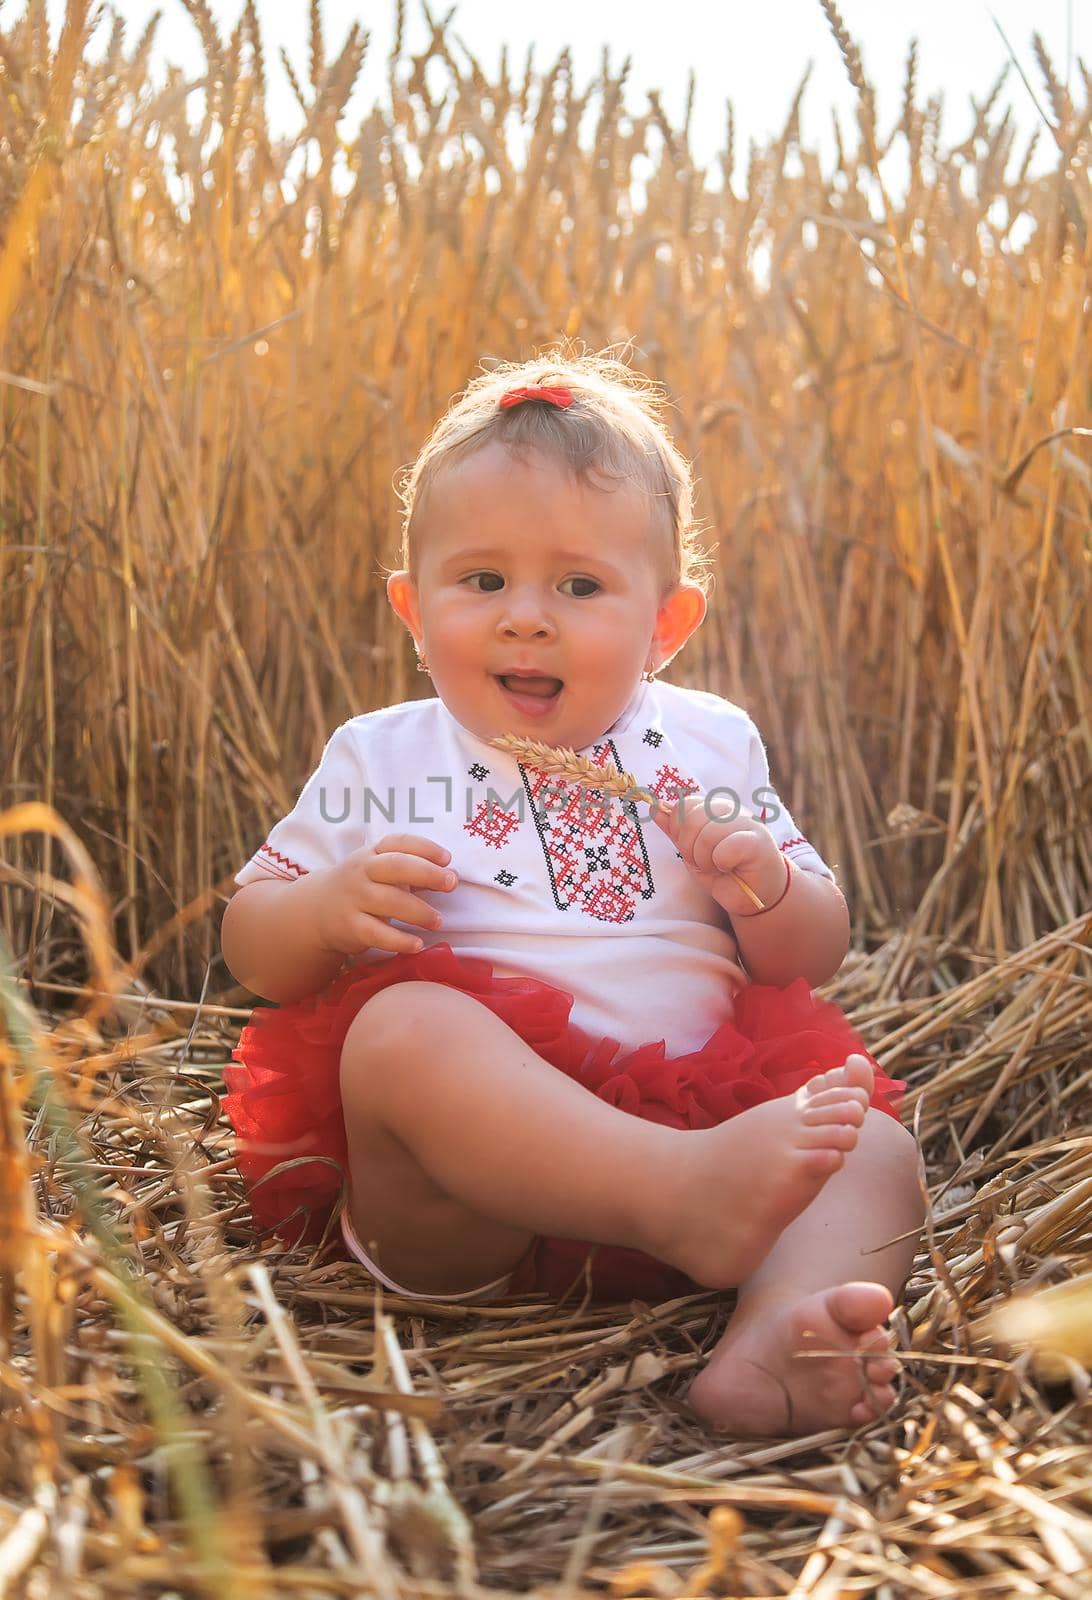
(741, 1183)
(758, 1381)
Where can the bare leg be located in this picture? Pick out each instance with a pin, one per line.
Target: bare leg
(464, 1144)
(818, 1289)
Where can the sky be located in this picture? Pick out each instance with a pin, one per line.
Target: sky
(753, 54)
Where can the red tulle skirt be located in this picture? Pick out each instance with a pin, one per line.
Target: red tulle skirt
(284, 1099)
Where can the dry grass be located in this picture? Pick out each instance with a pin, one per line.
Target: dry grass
(218, 350)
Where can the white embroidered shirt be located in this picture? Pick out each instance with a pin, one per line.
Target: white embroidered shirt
(555, 880)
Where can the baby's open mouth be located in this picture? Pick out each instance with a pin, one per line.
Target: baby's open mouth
(540, 688)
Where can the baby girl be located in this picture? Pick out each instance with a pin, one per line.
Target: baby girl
(533, 1035)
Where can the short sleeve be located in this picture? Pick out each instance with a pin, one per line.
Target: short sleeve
(324, 826)
(767, 806)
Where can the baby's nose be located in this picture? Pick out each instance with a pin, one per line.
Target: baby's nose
(537, 630)
(527, 616)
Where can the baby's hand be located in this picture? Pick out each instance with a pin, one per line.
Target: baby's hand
(714, 847)
(354, 900)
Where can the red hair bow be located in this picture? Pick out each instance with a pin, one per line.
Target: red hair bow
(554, 397)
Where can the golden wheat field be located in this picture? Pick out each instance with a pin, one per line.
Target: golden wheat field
(219, 349)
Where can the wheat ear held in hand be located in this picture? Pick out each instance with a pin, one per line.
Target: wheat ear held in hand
(561, 762)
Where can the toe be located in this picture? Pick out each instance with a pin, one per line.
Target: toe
(823, 1112)
(856, 1077)
(880, 1364)
(859, 1307)
(838, 1096)
(820, 1161)
(858, 1073)
(874, 1404)
(828, 1136)
(826, 1081)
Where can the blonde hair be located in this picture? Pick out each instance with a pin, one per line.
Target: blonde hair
(615, 428)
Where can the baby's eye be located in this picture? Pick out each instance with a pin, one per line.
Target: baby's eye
(585, 595)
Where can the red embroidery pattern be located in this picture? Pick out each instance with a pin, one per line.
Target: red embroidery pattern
(280, 866)
(790, 844)
(669, 784)
(593, 845)
(493, 823)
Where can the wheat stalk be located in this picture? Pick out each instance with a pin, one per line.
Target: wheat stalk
(560, 762)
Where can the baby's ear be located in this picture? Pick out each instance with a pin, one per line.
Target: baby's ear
(402, 594)
(680, 614)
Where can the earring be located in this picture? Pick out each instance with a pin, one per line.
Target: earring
(649, 675)
(422, 664)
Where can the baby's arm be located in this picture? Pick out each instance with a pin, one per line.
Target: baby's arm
(270, 942)
(287, 940)
(806, 936)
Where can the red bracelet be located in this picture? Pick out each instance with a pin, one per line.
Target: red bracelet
(747, 915)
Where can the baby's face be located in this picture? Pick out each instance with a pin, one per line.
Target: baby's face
(523, 565)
